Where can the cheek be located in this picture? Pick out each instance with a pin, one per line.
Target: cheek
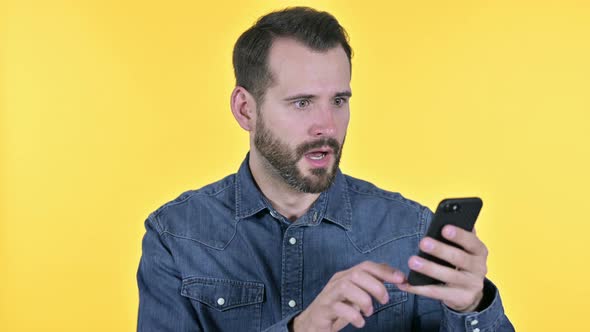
(289, 131)
(342, 122)
(278, 123)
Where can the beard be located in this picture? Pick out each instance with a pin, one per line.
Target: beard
(283, 160)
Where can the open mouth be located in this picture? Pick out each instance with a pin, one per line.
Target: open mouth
(316, 155)
(319, 157)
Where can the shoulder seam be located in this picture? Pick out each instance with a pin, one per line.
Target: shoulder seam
(190, 194)
(385, 195)
(423, 220)
(153, 219)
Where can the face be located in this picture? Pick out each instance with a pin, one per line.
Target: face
(301, 124)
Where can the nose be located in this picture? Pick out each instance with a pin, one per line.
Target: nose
(324, 123)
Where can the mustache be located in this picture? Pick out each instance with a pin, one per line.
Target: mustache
(328, 141)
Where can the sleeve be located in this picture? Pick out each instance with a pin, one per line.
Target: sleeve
(432, 315)
(161, 307)
(490, 318)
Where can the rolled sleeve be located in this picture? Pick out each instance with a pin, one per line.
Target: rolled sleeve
(491, 318)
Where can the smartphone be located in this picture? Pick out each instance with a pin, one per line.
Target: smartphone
(460, 212)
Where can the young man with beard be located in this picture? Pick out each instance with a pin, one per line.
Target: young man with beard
(289, 243)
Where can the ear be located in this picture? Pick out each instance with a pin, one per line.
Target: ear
(243, 107)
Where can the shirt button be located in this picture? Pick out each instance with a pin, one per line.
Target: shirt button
(476, 330)
(292, 304)
(292, 240)
(273, 214)
(474, 322)
(315, 216)
(221, 301)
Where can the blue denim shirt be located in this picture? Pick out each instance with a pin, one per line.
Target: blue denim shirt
(222, 259)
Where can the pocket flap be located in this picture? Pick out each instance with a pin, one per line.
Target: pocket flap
(222, 294)
(396, 296)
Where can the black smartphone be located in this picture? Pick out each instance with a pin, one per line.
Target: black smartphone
(460, 212)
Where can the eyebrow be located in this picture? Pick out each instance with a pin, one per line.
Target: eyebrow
(344, 94)
(308, 96)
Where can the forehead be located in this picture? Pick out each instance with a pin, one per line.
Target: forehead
(296, 68)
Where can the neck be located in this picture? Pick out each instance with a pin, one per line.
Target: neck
(286, 200)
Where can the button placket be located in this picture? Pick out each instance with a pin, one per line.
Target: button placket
(291, 275)
(472, 321)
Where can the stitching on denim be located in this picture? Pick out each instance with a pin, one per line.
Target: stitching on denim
(243, 214)
(178, 200)
(380, 244)
(403, 297)
(186, 195)
(300, 274)
(252, 211)
(386, 195)
(423, 220)
(231, 180)
(259, 315)
(255, 298)
(384, 242)
(347, 204)
(187, 281)
(203, 243)
(210, 302)
(347, 222)
(153, 219)
(284, 289)
(501, 318)
(238, 198)
(354, 244)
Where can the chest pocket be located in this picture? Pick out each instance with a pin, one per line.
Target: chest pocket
(224, 304)
(396, 297)
(386, 317)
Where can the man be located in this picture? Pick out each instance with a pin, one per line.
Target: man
(289, 243)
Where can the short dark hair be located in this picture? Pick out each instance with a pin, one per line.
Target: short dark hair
(316, 29)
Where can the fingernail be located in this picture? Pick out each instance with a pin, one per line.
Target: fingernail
(415, 263)
(449, 232)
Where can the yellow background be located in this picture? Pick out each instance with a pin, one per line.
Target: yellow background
(108, 109)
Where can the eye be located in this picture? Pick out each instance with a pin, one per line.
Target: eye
(302, 103)
(339, 101)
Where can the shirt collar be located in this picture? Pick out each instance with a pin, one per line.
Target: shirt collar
(339, 210)
(249, 199)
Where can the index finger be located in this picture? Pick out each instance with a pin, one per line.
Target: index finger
(381, 271)
(370, 276)
(466, 239)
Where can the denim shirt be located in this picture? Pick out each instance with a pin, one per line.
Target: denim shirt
(222, 259)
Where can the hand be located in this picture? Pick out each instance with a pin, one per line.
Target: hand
(345, 296)
(463, 288)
